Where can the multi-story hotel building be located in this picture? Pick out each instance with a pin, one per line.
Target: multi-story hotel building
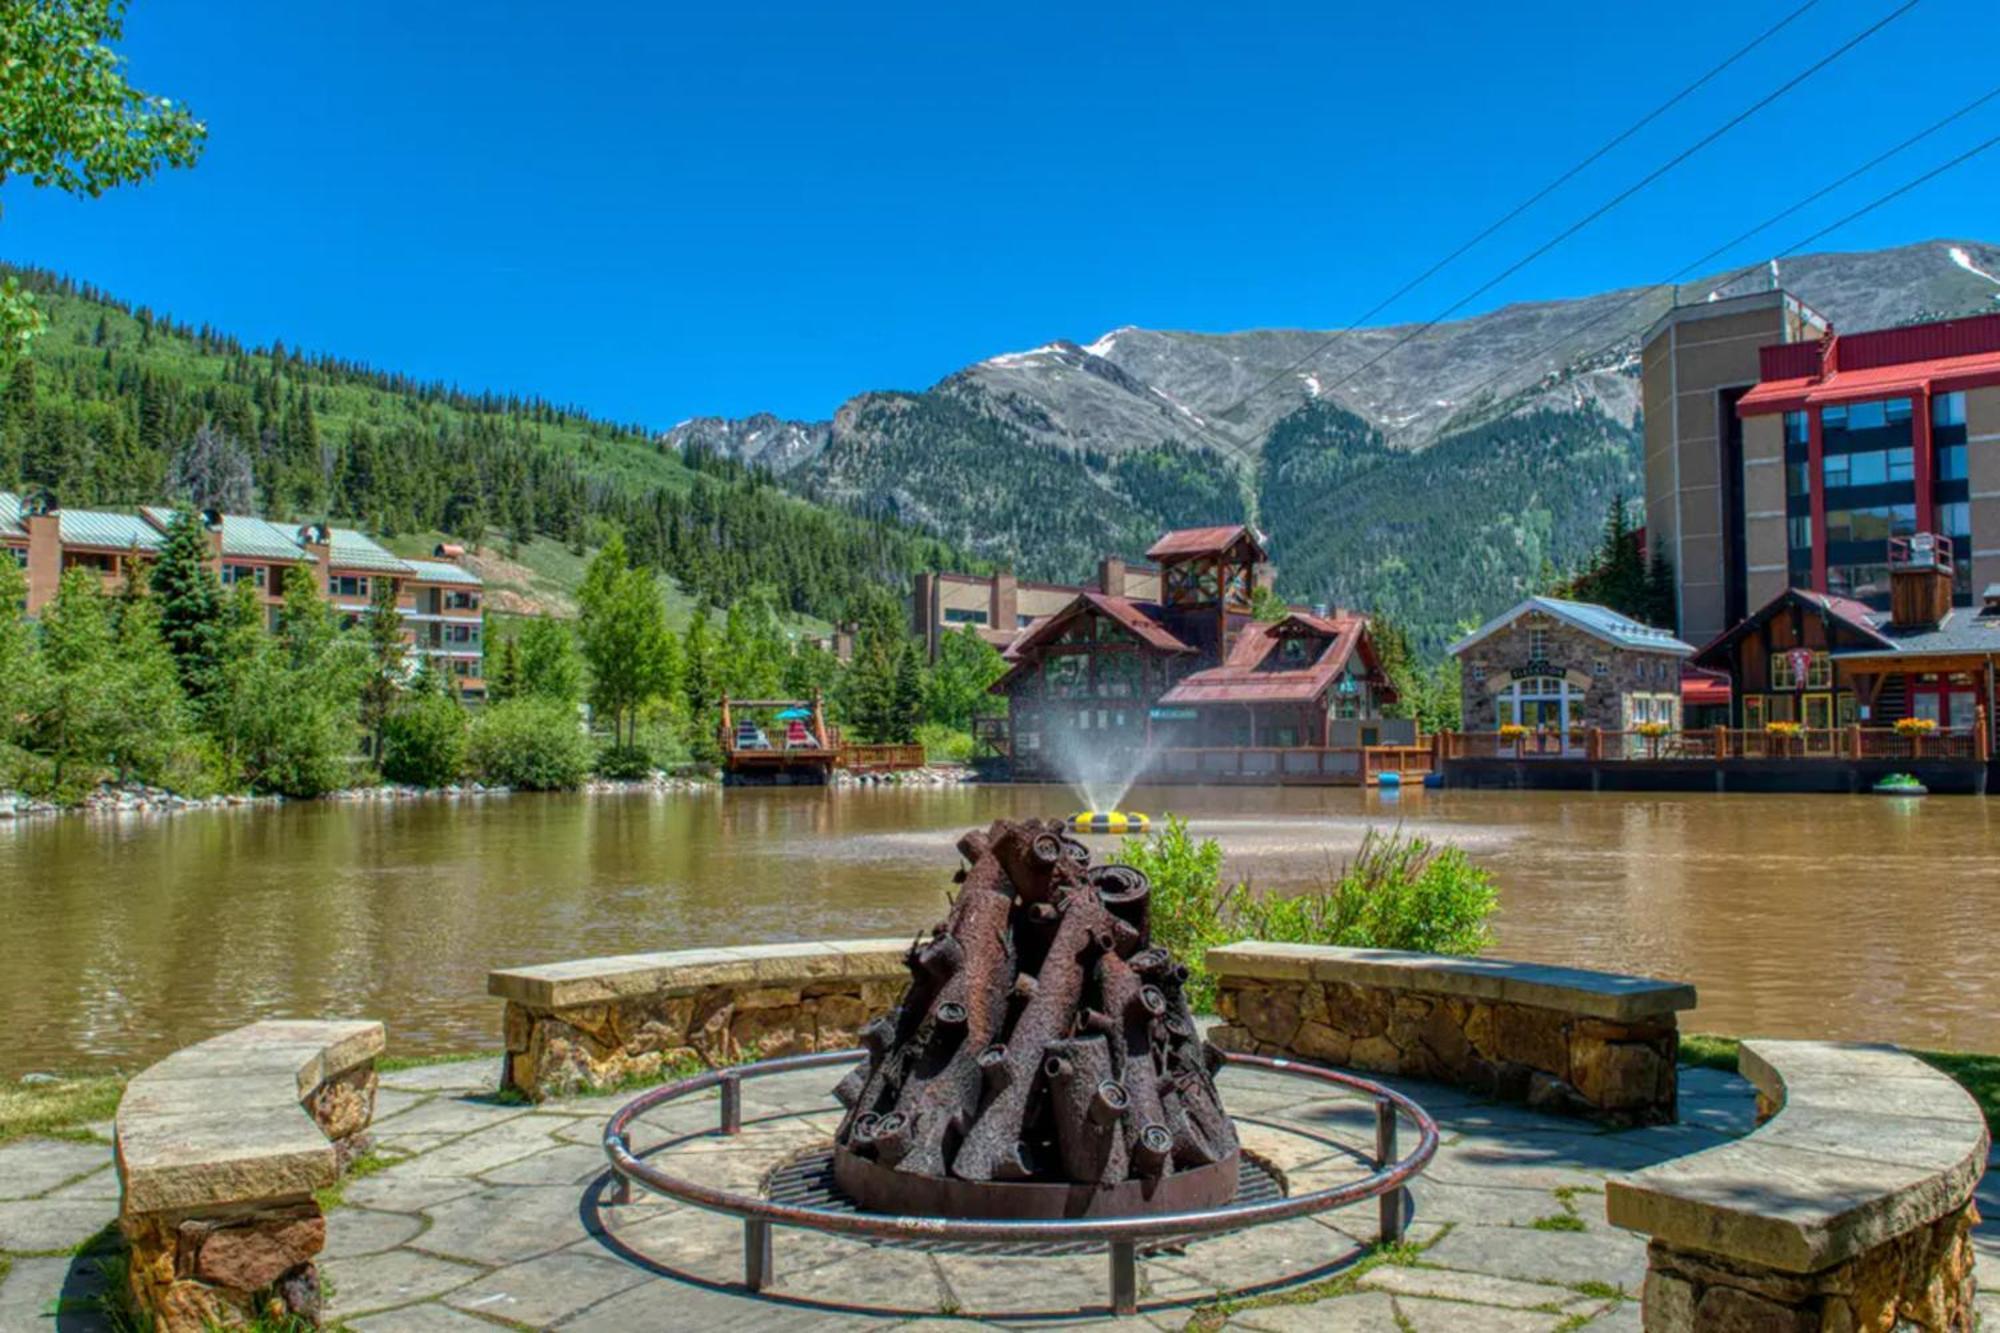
(438, 599)
(1797, 474)
(1000, 605)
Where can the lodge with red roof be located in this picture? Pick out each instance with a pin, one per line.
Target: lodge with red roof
(1193, 679)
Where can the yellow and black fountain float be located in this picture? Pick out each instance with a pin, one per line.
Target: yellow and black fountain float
(1108, 821)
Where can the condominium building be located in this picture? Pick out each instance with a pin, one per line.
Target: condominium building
(998, 606)
(1781, 454)
(439, 599)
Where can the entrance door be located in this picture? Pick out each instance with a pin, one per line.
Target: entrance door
(1818, 720)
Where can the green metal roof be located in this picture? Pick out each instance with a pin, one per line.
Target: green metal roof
(441, 571)
(117, 532)
(349, 549)
(10, 515)
(255, 538)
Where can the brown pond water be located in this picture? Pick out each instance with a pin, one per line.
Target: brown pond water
(122, 938)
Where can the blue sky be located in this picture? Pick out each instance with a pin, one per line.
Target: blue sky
(657, 211)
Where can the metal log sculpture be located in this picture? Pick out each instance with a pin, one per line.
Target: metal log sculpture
(1043, 1041)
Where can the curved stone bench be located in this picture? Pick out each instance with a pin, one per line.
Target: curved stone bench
(1850, 1207)
(594, 1023)
(1598, 1044)
(220, 1148)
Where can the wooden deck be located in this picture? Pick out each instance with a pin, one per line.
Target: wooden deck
(1721, 759)
(1291, 766)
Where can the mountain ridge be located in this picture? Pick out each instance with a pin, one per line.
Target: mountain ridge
(1046, 457)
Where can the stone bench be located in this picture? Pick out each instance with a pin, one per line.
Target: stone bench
(1850, 1207)
(220, 1148)
(592, 1024)
(1596, 1044)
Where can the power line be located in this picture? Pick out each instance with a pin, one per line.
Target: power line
(1769, 222)
(1633, 189)
(1520, 208)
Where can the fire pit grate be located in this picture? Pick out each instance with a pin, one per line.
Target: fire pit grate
(806, 1181)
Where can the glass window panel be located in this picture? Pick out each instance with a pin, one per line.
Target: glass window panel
(1798, 479)
(1897, 409)
(1867, 416)
(1902, 464)
(1954, 519)
(1948, 409)
(1795, 428)
(1800, 532)
(1867, 469)
(1833, 418)
(1835, 469)
(1951, 463)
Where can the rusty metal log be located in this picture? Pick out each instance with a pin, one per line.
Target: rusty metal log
(1043, 1037)
(1089, 1107)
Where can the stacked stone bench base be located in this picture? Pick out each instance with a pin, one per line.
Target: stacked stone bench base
(597, 1023)
(221, 1147)
(1595, 1044)
(1849, 1208)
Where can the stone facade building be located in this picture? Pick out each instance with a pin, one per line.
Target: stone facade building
(1556, 666)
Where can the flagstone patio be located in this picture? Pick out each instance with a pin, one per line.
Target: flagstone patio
(484, 1213)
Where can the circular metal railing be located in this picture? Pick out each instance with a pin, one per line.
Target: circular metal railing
(1122, 1235)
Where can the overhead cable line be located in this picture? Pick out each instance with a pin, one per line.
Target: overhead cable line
(1361, 320)
(1725, 283)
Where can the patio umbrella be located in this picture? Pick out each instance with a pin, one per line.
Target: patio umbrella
(796, 715)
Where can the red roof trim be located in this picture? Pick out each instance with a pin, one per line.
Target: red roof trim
(1238, 680)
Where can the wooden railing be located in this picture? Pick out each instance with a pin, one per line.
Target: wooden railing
(878, 758)
(1711, 743)
(1293, 763)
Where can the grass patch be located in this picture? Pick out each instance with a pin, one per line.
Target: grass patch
(1403, 1254)
(1558, 1222)
(389, 1064)
(362, 1167)
(1977, 1074)
(58, 1110)
(1600, 1291)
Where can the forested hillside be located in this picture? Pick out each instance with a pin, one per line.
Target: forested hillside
(113, 395)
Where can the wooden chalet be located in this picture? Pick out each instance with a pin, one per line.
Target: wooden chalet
(1830, 663)
(1191, 679)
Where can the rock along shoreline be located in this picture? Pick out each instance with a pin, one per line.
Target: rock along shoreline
(136, 798)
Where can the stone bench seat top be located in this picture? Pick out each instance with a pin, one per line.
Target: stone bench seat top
(1607, 995)
(221, 1122)
(1869, 1142)
(552, 986)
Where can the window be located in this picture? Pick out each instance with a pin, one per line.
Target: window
(1951, 463)
(1876, 523)
(1753, 712)
(1798, 479)
(1538, 644)
(1799, 532)
(1955, 519)
(1782, 677)
(1896, 409)
(1600, 668)
(1870, 416)
(1902, 464)
(1796, 430)
(347, 585)
(1948, 409)
(964, 615)
(234, 574)
(1833, 418)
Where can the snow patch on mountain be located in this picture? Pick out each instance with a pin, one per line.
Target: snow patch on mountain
(1960, 257)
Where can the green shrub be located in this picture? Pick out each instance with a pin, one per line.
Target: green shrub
(424, 741)
(531, 744)
(624, 763)
(943, 744)
(1397, 893)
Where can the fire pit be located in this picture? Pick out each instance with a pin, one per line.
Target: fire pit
(1043, 1062)
(1041, 1085)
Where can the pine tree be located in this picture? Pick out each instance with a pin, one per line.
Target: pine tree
(907, 699)
(189, 598)
(388, 661)
(503, 681)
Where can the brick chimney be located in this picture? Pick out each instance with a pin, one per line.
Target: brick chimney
(44, 525)
(1003, 603)
(1111, 576)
